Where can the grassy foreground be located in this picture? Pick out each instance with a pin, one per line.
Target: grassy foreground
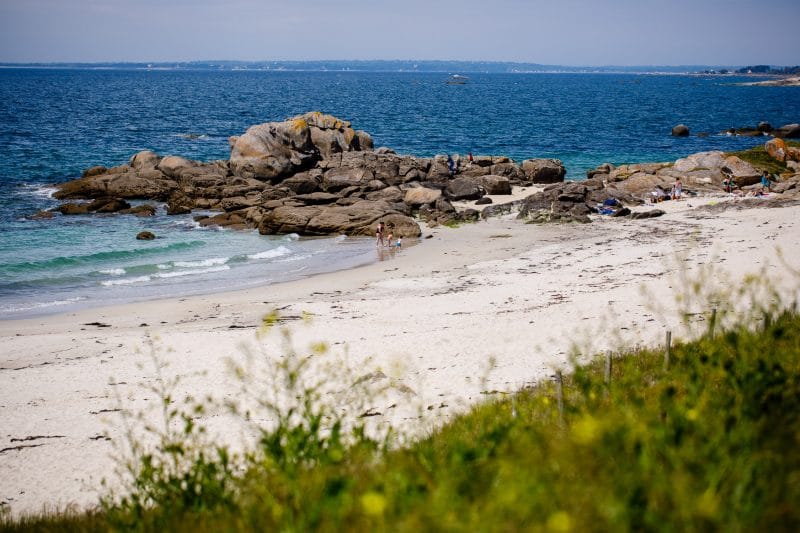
(711, 443)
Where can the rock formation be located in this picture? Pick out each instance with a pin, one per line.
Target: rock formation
(312, 174)
(315, 175)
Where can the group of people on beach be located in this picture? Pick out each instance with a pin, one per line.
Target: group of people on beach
(660, 194)
(382, 239)
(729, 186)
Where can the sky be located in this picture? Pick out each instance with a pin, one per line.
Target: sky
(552, 32)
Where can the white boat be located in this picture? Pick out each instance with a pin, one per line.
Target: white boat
(457, 79)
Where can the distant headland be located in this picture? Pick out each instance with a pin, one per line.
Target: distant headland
(432, 66)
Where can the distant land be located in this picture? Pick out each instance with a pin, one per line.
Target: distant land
(410, 66)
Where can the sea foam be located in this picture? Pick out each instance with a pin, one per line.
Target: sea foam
(280, 251)
(193, 272)
(202, 263)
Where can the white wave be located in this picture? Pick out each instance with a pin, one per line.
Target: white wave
(40, 191)
(290, 237)
(191, 272)
(340, 238)
(202, 263)
(40, 305)
(164, 266)
(192, 136)
(113, 271)
(296, 258)
(191, 224)
(280, 251)
(126, 281)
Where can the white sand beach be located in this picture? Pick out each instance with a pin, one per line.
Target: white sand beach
(431, 316)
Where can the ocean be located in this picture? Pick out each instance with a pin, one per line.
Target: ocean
(54, 123)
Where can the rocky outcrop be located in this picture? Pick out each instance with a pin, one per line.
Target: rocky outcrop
(789, 131)
(570, 202)
(315, 175)
(276, 150)
(701, 172)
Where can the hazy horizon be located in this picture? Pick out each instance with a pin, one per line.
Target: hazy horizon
(574, 33)
(167, 62)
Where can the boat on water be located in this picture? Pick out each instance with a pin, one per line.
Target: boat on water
(457, 79)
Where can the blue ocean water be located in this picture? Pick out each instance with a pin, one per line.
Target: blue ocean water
(55, 123)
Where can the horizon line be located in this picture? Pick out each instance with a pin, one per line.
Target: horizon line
(469, 61)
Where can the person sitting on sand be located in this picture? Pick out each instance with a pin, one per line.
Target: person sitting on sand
(659, 194)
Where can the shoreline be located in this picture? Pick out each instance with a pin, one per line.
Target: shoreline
(431, 318)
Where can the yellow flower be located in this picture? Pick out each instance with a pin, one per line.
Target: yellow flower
(586, 430)
(559, 521)
(373, 503)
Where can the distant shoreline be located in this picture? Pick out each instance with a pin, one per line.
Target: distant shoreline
(790, 81)
(428, 66)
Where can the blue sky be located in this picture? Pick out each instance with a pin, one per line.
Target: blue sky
(566, 32)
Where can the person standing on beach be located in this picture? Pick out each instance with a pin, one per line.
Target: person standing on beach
(765, 182)
(451, 165)
(677, 189)
(379, 234)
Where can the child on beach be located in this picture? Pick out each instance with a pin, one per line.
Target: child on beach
(390, 238)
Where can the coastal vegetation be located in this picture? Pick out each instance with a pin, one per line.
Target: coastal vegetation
(702, 435)
(759, 158)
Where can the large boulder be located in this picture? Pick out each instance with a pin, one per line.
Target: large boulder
(463, 189)
(172, 165)
(144, 160)
(71, 208)
(776, 148)
(341, 178)
(544, 170)
(681, 130)
(108, 205)
(742, 172)
(275, 150)
(495, 184)
(708, 160)
(120, 182)
(357, 219)
(417, 196)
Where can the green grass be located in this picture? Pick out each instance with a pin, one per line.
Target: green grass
(711, 443)
(759, 158)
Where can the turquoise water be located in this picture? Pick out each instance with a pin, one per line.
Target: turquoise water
(55, 123)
